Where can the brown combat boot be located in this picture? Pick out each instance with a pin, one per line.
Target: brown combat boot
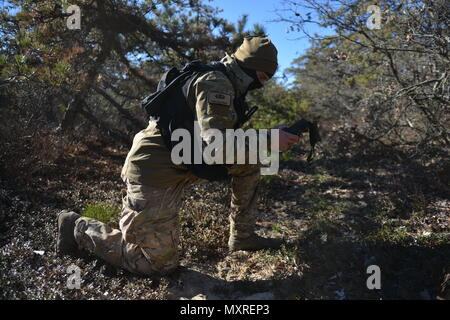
(253, 243)
(65, 242)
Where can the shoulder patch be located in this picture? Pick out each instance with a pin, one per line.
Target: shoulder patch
(219, 98)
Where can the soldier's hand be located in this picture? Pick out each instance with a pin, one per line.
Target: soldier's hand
(286, 139)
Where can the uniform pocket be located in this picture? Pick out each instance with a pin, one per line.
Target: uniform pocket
(219, 110)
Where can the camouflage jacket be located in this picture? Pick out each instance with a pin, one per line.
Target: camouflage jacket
(211, 95)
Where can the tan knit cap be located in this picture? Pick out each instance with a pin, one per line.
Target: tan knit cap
(258, 53)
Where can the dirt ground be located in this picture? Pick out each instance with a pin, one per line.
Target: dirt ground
(338, 215)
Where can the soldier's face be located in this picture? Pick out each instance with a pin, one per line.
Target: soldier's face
(262, 77)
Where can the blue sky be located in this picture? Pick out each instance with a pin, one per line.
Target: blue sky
(263, 12)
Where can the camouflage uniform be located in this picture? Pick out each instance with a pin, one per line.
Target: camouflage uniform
(147, 241)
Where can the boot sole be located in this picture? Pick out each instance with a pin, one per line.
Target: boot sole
(64, 251)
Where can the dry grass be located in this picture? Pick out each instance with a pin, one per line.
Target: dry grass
(337, 215)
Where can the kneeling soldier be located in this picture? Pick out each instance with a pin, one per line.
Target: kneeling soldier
(147, 242)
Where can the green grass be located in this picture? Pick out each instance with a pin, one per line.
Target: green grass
(321, 178)
(268, 180)
(276, 228)
(102, 211)
(389, 234)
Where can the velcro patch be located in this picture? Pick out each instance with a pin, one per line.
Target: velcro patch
(219, 98)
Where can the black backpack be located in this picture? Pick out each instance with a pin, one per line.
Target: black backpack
(169, 106)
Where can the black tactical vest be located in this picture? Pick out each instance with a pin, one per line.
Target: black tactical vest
(169, 106)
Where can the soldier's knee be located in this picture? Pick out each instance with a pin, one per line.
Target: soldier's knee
(155, 265)
(164, 260)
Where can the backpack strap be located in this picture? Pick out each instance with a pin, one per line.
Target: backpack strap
(152, 104)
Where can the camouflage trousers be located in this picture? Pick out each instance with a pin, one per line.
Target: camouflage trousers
(148, 239)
